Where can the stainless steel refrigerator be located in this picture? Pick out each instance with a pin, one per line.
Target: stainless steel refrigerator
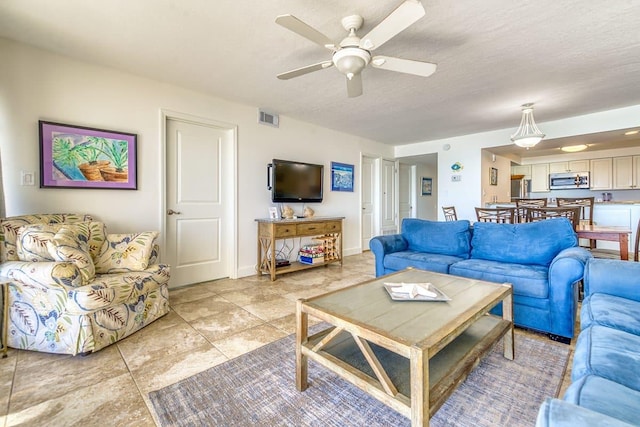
(520, 188)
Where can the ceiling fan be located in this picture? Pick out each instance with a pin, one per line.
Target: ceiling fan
(353, 54)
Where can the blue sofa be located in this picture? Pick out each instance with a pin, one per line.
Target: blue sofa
(541, 260)
(605, 376)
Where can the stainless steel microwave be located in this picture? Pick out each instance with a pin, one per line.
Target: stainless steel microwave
(563, 181)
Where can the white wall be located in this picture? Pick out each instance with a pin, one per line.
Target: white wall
(37, 85)
(467, 193)
(502, 191)
(427, 206)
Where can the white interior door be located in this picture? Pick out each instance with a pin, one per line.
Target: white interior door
(406, 192)
(389, 205)
(196, 197)
(368, 180)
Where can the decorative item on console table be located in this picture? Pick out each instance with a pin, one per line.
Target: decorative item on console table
(311, 254)
(308, 212)
(287, 212)
(329, 246)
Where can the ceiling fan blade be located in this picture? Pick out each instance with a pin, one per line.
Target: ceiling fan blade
(419, 68)
(354, 86)
(305, 70)
(292, 23)
(404, 15)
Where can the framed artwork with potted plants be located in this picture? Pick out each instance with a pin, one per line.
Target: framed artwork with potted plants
(81, 157)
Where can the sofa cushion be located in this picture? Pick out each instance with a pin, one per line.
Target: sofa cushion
(32, 239)
(425, 261)
(608, 353)
(531, 243)
(108, 290)
(126, 252)
(558, 413)
(71, 244)
(9, 229)
(611, 311)
(527, 280)
(437, 237)
(96, 233)
(605, 396)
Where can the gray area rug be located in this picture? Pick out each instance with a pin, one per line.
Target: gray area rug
(258, 389)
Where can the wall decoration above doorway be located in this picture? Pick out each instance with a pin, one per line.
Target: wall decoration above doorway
(427, 186)
(82, 157)
(341, 177)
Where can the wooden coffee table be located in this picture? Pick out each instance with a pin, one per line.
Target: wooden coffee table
(410, 355)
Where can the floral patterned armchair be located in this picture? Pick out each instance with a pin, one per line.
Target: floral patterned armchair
(74, 287)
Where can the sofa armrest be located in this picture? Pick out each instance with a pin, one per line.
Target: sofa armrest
(613, 277)
(43, 274)
(565, 270)
(558, 413)
(383, 245)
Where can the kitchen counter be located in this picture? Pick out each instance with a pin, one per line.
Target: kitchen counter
(611, 203)
(620, 202)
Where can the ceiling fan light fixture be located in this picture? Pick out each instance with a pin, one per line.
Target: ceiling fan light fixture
(528, 134)
(351, 61)
(574, 148)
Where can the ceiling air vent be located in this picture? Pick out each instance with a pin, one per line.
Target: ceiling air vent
(267, 118)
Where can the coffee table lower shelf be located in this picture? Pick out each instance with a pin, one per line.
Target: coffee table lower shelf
(447, 369)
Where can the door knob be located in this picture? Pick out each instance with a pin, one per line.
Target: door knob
(172, 212)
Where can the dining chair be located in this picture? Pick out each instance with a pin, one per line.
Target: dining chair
(523, 204)
(501, 215)
(539, 214)
(450, 213)
(586, 210)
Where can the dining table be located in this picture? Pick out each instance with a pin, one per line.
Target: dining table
(610, 233)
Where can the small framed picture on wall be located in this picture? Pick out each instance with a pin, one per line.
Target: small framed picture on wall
(427, 186)
(493, 176)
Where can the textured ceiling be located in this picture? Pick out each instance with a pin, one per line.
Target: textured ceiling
(569, 57)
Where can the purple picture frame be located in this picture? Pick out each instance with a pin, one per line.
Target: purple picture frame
(83, 157)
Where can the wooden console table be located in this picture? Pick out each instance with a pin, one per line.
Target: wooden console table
(272, 230)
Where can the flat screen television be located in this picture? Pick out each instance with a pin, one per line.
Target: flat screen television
(292, 182)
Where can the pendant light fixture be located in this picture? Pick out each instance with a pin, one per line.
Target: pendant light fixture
(528, 134)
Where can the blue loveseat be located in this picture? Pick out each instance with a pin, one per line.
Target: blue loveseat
(605, 376)
(541, 260)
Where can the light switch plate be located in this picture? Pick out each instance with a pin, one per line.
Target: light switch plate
(27, 178)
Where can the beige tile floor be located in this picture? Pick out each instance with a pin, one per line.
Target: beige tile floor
(209, 323)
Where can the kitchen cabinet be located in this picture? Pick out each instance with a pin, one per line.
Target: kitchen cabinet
(540, 178)
(522, 170)
(625, 172)
(601, 174)
(572, 166)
